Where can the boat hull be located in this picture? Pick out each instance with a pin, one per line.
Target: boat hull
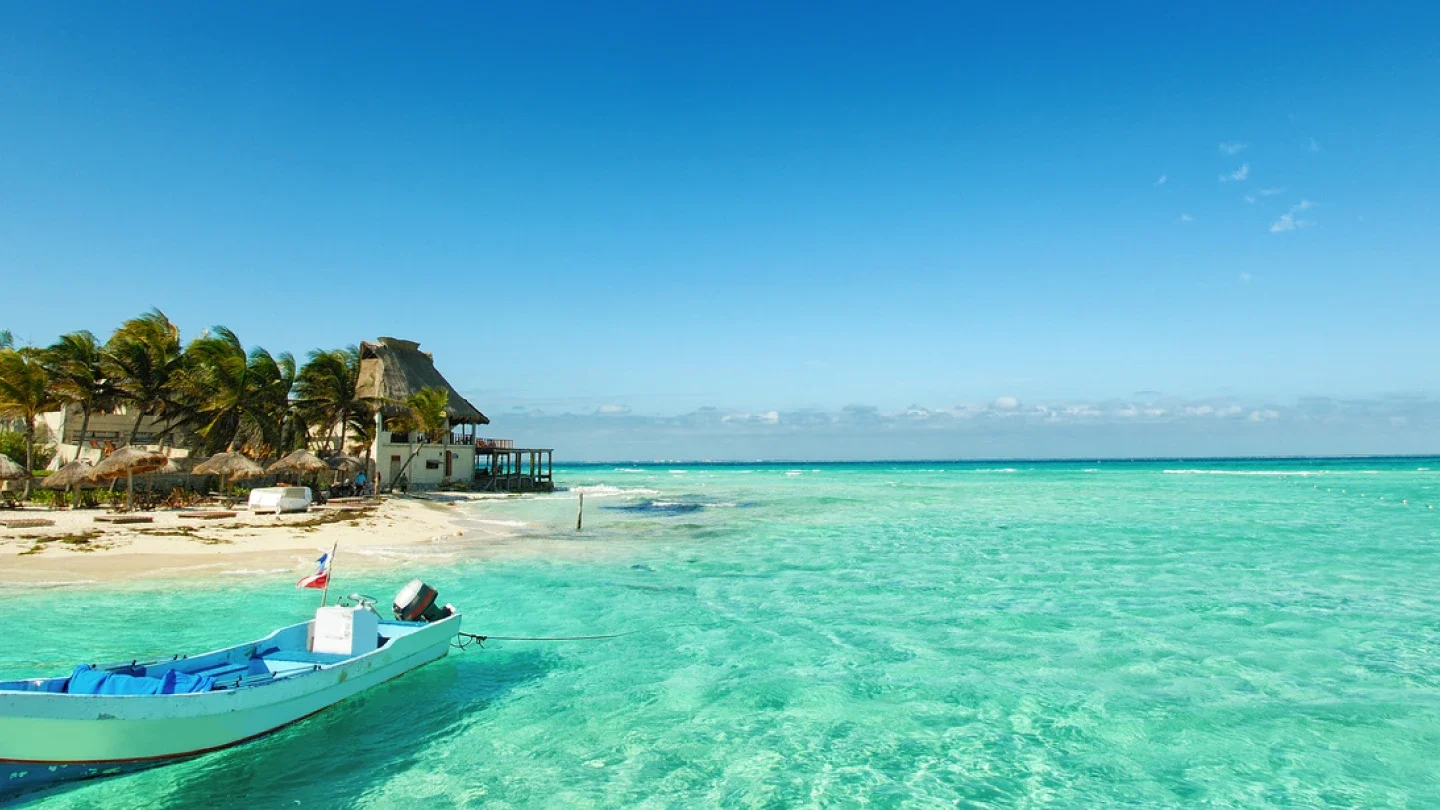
(49, 738)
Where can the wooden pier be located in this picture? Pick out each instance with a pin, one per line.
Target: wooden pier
(500, 466)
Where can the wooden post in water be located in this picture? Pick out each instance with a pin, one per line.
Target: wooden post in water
(580, 513)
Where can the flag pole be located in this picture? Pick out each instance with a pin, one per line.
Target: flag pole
(329, 568)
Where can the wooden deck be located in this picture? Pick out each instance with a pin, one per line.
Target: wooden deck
(502, 467)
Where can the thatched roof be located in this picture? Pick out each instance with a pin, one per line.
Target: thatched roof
(392, 369)
(232, 465)
(129, 459)
(72, 474)
(300, 461)
(9, 470)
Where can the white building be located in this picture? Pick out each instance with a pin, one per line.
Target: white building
(392, 370)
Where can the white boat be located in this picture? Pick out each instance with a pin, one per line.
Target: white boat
(51, 734)
(280, 499)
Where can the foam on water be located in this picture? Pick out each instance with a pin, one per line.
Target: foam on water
(1038, 638)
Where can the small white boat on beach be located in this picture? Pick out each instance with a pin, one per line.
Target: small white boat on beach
(280, 499)
(113, 719)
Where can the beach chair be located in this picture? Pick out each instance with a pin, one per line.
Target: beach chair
(8, 500)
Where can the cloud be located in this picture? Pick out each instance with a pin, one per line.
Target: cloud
(1232, 147)
(1183, 218)
(1315, 145)
(1007, 404)
(1145, 425)
(1162, 180)
(1289, 221)
(1245, 278)
(1238, 175)
(766, 418)
(612, 410)
(1270, 192)
(1250, 198)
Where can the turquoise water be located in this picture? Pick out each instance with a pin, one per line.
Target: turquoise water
(889, 635)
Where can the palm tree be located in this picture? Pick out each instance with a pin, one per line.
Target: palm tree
(24, 395)
(75, 367)
(231, 396)
(143, 361)
(326, 392)
(7, 340)
(427, 416)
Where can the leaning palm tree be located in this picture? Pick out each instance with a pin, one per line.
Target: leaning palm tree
(7, 340)
(425, 414)
(232, 397)
(143, 361)
(327, 393)
(24, 395)
(77, 377)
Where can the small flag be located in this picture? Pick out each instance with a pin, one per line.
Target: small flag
(321, 575)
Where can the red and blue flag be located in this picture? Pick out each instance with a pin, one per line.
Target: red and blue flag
(321, 576)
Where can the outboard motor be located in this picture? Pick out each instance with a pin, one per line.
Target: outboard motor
(416, 602)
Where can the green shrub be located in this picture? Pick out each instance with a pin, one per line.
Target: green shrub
(12, 444)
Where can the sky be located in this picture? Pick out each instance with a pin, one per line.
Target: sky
(765, 230)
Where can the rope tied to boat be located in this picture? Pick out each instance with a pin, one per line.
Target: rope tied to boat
(471, 639)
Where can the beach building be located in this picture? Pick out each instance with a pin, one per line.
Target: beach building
(103, 435)
(392, 370)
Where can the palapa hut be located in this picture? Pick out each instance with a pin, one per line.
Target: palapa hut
(230, 467)
(391, 371)
(74, 474)
(128, 462)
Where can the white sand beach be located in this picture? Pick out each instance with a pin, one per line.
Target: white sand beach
(78, 549)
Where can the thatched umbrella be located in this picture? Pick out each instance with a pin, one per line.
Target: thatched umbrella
(300, 461)
(128, 461)
(74, 474)
(230, 467)
(10, 471)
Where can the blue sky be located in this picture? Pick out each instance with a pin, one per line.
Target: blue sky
(739, 230)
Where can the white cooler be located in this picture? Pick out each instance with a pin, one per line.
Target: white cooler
(345, 630)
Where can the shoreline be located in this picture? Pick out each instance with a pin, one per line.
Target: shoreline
(79, 551)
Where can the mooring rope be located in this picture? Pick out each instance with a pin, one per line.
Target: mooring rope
(474, 638)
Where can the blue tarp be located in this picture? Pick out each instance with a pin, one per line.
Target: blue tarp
(86, 680)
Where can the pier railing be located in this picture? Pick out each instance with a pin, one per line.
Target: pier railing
(488, 444)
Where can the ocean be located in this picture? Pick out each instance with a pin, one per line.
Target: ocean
(1246, 634)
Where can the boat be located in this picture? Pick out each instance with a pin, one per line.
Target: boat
(106, 720)
(280, 499)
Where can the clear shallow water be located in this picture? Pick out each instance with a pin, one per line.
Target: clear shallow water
(987, 635)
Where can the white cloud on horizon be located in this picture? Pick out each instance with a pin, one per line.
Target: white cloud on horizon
(1238, 175)
(1162, 180)
(1152, 425)
(1184, 218)
(612, 410)
(1232, 147)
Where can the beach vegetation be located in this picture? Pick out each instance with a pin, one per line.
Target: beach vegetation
(24, 395)
(144, 361)
(209, 396)
(326, 393)
(228, 397)
(75, 365)
(12, 444)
